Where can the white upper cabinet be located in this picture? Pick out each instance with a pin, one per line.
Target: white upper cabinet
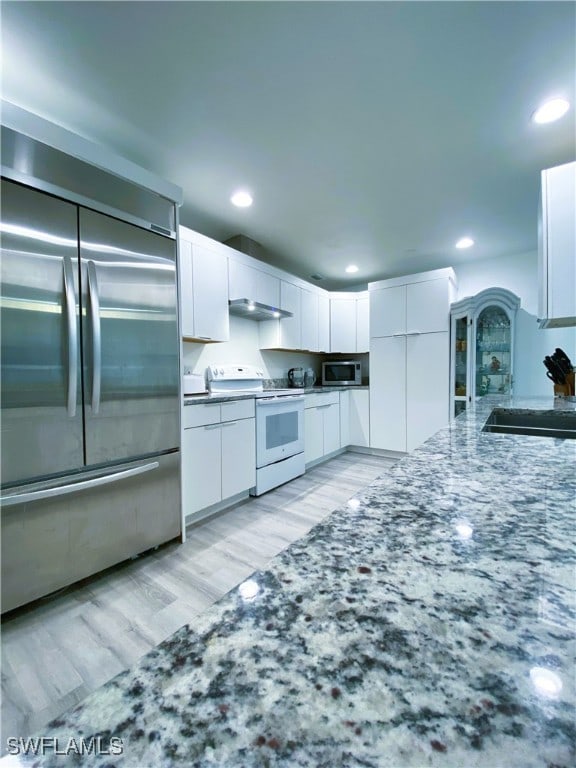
(557, 247)
(428, 306)
(246, 282)
(309, 304)
(204, 289)
(309, 327)
(291, 301)
(323, 322)
(285, 333)
(343, 325)
(388, 311)
(267, 289)
(362, 323)
(399, 307)
(349, 322)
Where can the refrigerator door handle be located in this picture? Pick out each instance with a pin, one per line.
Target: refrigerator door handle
(72, 336)
(96, 336)
(61, 490)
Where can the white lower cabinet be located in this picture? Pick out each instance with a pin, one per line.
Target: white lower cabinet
(238, 456)
(344, 419)
(313, 434)
(388, 393)
(201, 467)
(359, 418)
(428, 400)
(321, 425)
(331, 414)
(218, 453)
(409, 402)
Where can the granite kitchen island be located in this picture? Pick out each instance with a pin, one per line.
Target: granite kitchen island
(429, 622)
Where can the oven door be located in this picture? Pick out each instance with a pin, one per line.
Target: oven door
(279, 428)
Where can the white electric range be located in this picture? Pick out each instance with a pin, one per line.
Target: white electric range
(279, 422)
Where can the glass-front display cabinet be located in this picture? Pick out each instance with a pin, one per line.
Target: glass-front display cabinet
(482, 346)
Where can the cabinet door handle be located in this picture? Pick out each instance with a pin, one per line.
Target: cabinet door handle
(413, 333)
(228, 423)
(212, 426)
(325, 406)
(208, 338)
(399, 333)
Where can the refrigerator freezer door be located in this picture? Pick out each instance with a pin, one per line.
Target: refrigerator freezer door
(57, 533)
(40, 383)
(130, 340)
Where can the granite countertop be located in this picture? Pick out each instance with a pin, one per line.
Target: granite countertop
(335, 388)
(207, 398)
(429, 622)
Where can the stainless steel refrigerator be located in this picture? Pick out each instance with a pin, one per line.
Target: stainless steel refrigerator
(90, 425)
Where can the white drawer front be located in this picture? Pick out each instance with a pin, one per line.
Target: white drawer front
(201, 414)
(322, 398)
(242, 409)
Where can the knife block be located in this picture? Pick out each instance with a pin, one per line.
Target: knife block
(566, 389)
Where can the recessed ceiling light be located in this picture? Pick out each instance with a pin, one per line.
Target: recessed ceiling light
(241, 199)
(465, 242)
(551, 110)
(351, 268)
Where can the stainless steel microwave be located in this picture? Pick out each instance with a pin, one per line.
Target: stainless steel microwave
(344, 373)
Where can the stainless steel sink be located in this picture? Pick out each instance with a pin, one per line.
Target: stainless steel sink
(513, 421)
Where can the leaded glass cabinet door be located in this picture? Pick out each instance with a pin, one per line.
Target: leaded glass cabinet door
(482, 356)
(460, 380)
(493, 352)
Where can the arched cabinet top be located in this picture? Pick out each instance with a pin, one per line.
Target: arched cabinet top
(475, 304)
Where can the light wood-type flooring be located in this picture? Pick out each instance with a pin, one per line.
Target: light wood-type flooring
(60, 649)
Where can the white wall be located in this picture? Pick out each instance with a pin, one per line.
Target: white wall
(519, 274)
(243, 348)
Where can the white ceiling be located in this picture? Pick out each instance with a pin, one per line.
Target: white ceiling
(369, 132)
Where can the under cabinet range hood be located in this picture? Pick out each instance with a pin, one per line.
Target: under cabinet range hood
(254, 310)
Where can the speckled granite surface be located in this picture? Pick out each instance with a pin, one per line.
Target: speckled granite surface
(430, 622)
(196, 399)
(203, 398)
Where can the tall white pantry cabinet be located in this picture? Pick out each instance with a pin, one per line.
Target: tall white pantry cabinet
(409, 358)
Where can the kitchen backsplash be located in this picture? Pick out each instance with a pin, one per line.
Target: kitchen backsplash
(243, 348)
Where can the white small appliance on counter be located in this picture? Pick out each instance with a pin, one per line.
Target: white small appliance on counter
(279, 423)
(193, 384)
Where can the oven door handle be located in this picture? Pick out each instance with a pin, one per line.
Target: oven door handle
(280, 400)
